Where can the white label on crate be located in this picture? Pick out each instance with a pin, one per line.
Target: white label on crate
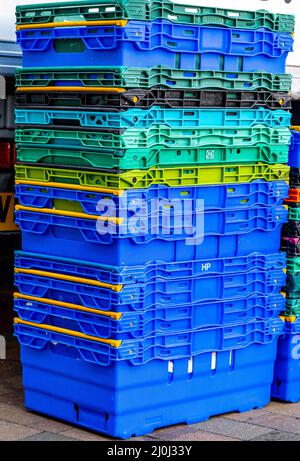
(210, 155)
(213, 361)
(170, 366)
(190, 365)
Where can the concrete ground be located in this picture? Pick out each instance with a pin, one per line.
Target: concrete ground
(276, 422)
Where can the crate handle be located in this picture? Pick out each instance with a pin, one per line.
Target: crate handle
(52, 302)
(111, 342)
(48, 25)
(70, 214)
(116, 192)
(70, 89)
(69, 278)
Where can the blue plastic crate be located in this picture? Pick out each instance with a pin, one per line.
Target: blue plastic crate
(151, 271)
(294, 155)
(155, 199)
(139, 324)
(220, 235)
(286, 384)
(158, 292)
(63, 378)
(145, 44)
(138, 118)
(110, 352)
(10, 57)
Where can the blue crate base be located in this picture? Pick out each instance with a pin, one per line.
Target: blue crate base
(286, 384)
(135, 400)
(126, 251)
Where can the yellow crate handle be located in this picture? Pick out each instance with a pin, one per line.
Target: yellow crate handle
(71, 214)
(69, 278)
(64, 331)
(116, 192)
(76, 307)
(290, 319)
(69, 89)
(109, 22)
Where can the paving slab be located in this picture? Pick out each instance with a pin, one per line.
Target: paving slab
(232, 428)
(84, 436)
(202, 436)
(277, 421)
(11, 432)
(289, 409)
(277, 436)
(48, 437)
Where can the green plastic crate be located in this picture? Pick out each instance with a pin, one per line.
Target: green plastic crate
(148, 78)
(155, 136)
(293, 265)
(293, 285)
(292, 307)
(139, 179)
(294, 213)
(105, 10)
(127, 159)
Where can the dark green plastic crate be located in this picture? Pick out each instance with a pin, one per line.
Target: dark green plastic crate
(292, 307)
(128, 159)
(99, 10)
(293, 285)
(153, 77)
(293, 265)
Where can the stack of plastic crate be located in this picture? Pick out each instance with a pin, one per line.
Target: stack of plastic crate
(133, 315)
(10, 59)
(286, 385)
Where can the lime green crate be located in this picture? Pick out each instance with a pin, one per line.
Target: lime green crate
(143, 159)
(105, 10)
(294, 213)
(147, 78)
(139, 179)
(155, 136)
